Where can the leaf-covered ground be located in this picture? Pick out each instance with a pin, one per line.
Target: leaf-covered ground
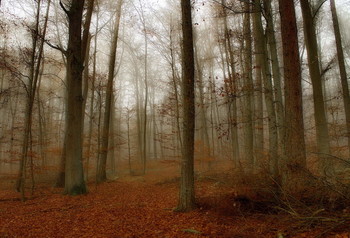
(140, 207)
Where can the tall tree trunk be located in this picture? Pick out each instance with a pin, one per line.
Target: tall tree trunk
(202, 112)
(74, 176)
(271, 40)
(35, 65)
(42, 122)
(249, 90)
(322, 136)
(92, 102)
(128, 116)
(175, 85)
(295, 157)
(342, 70)
(86, 51)
(144, 153)
(112, 142)
(154, 125)
(187, 195)
(232, 90)
(101, 170)
(263, 63)
(60, 180)
(259, 90)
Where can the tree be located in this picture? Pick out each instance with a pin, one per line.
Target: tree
(342, 70)
(85, 44)
(101, 167)
(187, 195)
(35, 68)
(273, 54)
(74, 176)
(263, 64)
(86, 51)
(249, 87)
(231, 85)
(295, 157)
(322, 136)
(144, 152)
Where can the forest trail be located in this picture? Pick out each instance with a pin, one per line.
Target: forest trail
(138, 207)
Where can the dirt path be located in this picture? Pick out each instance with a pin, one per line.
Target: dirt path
(129, 209)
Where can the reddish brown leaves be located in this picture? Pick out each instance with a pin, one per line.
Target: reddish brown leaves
(130, 209)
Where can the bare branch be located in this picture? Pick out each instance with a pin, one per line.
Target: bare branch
(318, 7)
(64, 8)
(230, 8)
(56, 47)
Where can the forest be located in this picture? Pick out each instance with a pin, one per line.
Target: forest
(161, 118)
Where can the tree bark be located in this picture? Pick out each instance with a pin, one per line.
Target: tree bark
(249, 90)
(232, 90)
(295, 157)
(202, 112)
(35, 65)
(271, 40)
(74, 177)
(322, 136)
(342, 70)
(187, 195)
(175, 85)
(101, 170)
(263, 63)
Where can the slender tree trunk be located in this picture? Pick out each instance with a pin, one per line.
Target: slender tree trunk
(322, 136)
(129, 144)
(154, 125)
(263, 64)
(13, 114)
(42, 123)
(175, 85)
(112, 143)
(203, 112)
(271, 40)
(342, 70)
(145, 116)
(86, 79)
(35, 66)
(92, 103)
(249, 88)
(86, 51)
(260, 78)
(232, 90)
(138, 118)
(101, 170)
(99, 137)
(187, 195)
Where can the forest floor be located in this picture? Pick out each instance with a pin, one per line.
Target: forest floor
(142, 206)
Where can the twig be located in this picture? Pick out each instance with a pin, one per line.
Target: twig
(57, 47)
(64, 8)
